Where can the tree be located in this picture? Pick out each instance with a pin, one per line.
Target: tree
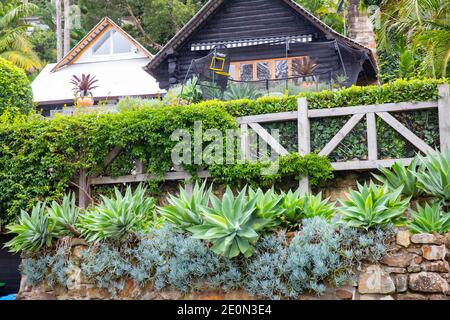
(59, 39)
(15, 45)
(67, 26)
(422, 26)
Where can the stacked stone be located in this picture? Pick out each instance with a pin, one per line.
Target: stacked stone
(416, 268)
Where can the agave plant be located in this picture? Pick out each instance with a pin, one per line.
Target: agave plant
(373, 205)
(184, 211)
(297, 206)
(434, 175)
(33, 232)
(65, 216)
(267, 206)
(83, 86)
(231, 224)
(401, 176)
(119, 217)
(429, 219)
(242, 91)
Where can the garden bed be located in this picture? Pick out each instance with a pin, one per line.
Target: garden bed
(416, 267)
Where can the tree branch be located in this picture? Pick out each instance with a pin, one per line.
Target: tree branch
(137, 24)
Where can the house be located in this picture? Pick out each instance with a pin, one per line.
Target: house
(263, 38)
(106, 52)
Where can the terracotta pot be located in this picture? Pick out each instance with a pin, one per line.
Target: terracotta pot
(86, 101)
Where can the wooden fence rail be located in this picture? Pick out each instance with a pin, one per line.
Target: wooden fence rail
(303, 116)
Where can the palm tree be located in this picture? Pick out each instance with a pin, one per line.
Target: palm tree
(14, 43)
(423, 26)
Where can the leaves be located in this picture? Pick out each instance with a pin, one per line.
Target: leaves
(429, 219)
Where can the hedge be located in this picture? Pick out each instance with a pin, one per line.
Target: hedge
(15, 90)
(38, 157)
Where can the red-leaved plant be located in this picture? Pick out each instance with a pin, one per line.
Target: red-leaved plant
(84, 86)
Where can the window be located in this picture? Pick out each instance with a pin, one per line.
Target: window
(112, 42)
(262, 69)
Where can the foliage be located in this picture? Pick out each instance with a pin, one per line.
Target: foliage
(38, 157)
(119, 217)
(373, 205)
(15, 90)
(421, 27)
(429, 219)
(236, 91)
(83, 86)
(44, 44)
(184, 211)
(296, 206)
(33, 231)
(65, 216)
(267, 206)
(262, 173)
(434, 175)
(322, 253)
(129, 103)
(304, 66)
(401, 176)
(164, 258)
(15, 46)
(231, 224)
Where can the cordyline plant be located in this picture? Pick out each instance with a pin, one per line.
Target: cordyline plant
(83, 86)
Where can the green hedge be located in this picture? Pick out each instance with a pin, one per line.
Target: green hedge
(38, 157)
(15, 90)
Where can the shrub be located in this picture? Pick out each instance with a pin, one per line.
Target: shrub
(373, 205)
(231, 225)
(15, 90)
(33, 232)
(429, 219)
(401, 176)
(434, 175)
(119, 217)
(184, 211)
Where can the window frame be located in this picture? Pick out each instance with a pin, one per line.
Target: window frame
(272, 67)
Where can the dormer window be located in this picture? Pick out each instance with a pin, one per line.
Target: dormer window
(112, 42)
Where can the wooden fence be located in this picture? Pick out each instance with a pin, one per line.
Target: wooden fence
(303, 116)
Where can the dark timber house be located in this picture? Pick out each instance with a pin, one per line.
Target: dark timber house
(262, 34)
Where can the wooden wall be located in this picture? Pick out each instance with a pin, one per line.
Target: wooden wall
(244, 19)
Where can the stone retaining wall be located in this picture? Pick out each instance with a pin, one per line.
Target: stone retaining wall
(416, 268)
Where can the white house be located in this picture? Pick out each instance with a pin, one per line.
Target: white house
(106, 52)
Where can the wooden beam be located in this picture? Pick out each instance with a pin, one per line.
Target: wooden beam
(139, 167)
(83, 189)
(405, 132)
(112, 156)
(334, 142)
(170, 176)
(387, 107)
(268, 117)
(304, 137)
(372, 136)
(444, 116)
(276, 146)
(366, 165)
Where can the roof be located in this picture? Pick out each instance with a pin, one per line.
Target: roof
(96, 32)
(116, 79)
(210, 7)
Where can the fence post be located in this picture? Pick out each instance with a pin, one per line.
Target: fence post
(84, 190)
(372, 136)
(304, 141)
(245, 142)
(444, 116)
(139, 167)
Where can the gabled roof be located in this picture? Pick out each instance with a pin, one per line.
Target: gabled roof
(91, 37)
(210, 7)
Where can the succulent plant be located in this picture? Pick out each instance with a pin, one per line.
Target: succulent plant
(65, 216)
(429, 219)
(373, 205)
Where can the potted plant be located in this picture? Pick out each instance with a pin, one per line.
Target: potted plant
(83, 90)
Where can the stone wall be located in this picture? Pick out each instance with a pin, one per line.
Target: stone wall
(416, 268)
